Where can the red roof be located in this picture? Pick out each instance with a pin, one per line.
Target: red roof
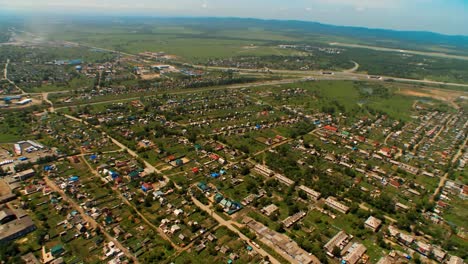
(385, 149)
(219, 147)
(195, 170)
(147, 186)
(395, 183)
(330, 128)
(214, 157)
(441, 204)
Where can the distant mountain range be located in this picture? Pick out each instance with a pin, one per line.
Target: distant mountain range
(418, 40)
(384, 37)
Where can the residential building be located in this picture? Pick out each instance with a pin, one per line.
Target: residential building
(354, 253)
(340, 240)
(16, 228)
(269, 209)
(310, 192)
(283, 179)
(373, 223)
(333, 203)
(291, 220)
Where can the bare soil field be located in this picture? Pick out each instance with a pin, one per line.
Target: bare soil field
(449, 96)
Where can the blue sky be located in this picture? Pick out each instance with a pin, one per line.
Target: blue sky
(444, 16)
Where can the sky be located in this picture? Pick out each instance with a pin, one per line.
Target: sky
(442, 16)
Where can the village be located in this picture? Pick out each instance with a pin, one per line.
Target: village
(249, 175)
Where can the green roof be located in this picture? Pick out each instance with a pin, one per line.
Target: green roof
(57, 249)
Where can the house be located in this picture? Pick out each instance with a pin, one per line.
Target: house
(178, 212)
(57, 250)
(269, 209)
(395, 183)
(80, 228)
(354, 253)
(146, 187)
(423, 248)
(291, 220)
(174, 229)
(6, 215)
(340, 240)
(385, 151)
(439, 254)
(373, 223)
(16, 228)
(263, 170)
(310, 192)
(401, 206)
(30, 259)
(281, 242)
(283, 179)
(214, 156)
(23, 175)
(31, 189)
(203, 187)
(455, 260)
(333, 203)
(405, 239)
(331, 128)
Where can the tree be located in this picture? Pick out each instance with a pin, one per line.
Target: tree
(336, 252)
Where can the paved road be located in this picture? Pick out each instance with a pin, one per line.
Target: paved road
(354, 69)
(423, 53)
(230, 226)
(89, 219)
(336, 75)
(349, 75)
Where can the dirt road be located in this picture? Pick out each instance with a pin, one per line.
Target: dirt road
(89, 219)
(446, 175)
(230, 226)
(5, 76)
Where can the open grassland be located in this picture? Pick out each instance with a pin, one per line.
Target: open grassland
(186, 43)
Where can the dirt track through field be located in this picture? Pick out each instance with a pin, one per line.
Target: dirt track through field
(449, 96)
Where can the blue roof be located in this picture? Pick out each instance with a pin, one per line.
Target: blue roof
(74, 178)
(215, 175)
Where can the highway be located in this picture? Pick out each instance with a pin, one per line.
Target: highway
(338, 75)
(347, 74)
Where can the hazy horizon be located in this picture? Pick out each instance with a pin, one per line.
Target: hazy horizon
(448, 17)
